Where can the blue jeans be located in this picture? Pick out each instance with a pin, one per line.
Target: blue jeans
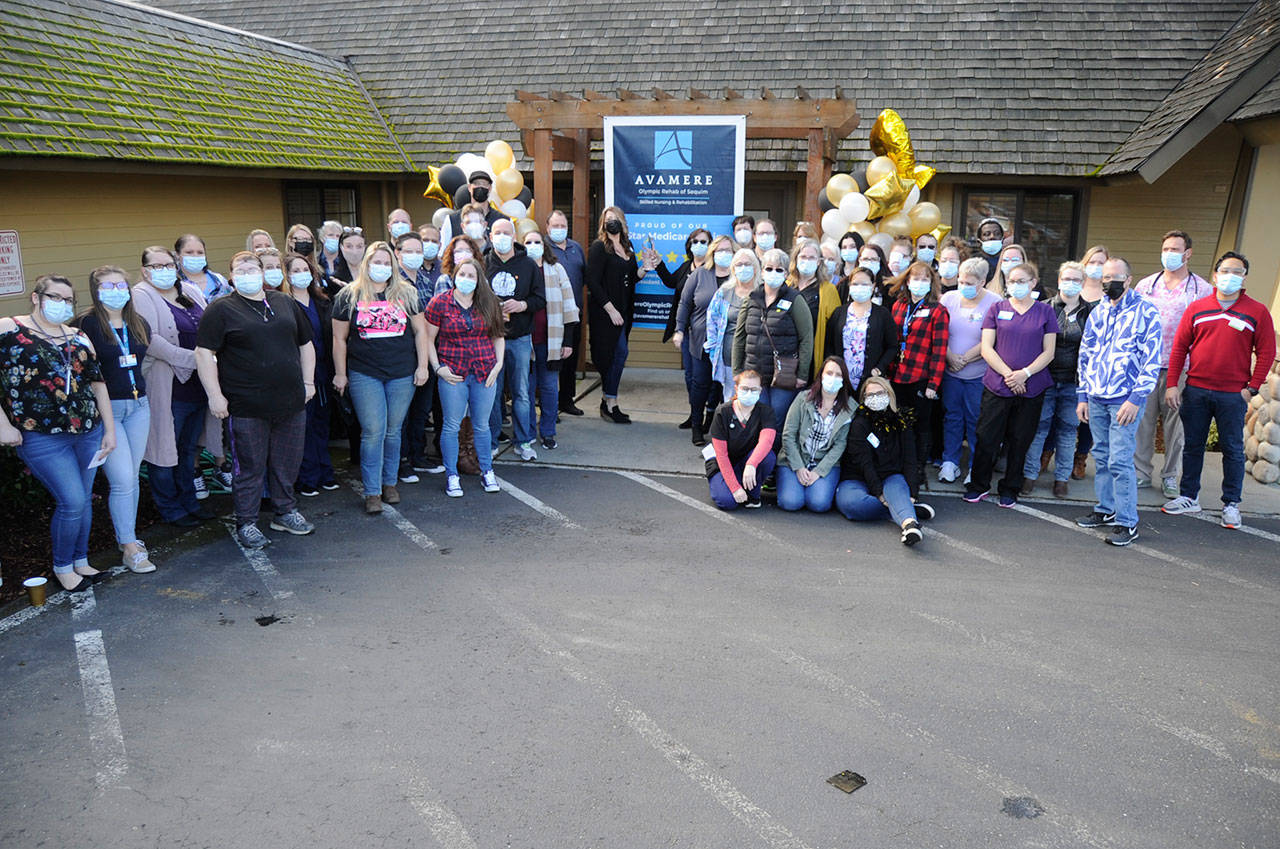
(697, 380)
(381, 406)
(1060, 407)
(133, 422)
(961, 400)
(613, 375)
(458, 400)
(817, 496)
(173, 487)
(859, 505)
(60, 462)
(548, 383)
(1228, 410)
(515, 375)
(1115, 481)
(722, 496)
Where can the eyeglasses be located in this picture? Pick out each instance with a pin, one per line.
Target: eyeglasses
(349, 230)
(105, 286)
(154, 265)
(699, 242)
(58, 299)
(770, 268)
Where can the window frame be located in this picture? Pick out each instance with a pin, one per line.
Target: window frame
(1079, 201)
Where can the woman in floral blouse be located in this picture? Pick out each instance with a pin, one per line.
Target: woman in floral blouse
(58, 415)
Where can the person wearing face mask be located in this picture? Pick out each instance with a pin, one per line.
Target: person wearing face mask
(1118, 367)
(813, 441)
(379, 356)
(172, 310)
(330, 237)
(923, 327)
(398, 224)
(927, 248)
(521, 289)
(774, 327)
(455, 253)
(258, 241)
(899, 256)
(692, 331)
(555, 335)
(741, 457)
(862, 333)
(991, 242)
(411, 257)
(804, 230)
(849, 252)
(316, 469)
(350, 255)
(193, 268)
(573, 260)
(1019, 337)
(695, 253)
(743, 229)
(429, 234)
(1093, 260)
(56, 412)
(808, 276)
(1229, 339)
(766, 237)
(612, 277)
(272, 268)
(1171, 290)
(256, 361)
(878, 470)
(1058, 413)
(299, 240)
(465, 346)
(480, 185)
(120, 338)
(1010, 256)
(967, 308)
(952, 253)
(831, 262)
(872, 259)
(722, 322)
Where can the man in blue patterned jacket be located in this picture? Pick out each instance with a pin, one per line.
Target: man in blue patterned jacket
(1119, 365)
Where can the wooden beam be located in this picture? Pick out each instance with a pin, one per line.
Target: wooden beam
(659, 94)
(543, 199)
(765, 94)
(695, 94)
(581, 222)
(780, 118)
(730, 94)
(816, 175)
(561, 96)
(592, 94)
(627, 94)
(563, 148)
(802, 93)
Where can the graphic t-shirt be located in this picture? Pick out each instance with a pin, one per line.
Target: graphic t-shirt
(380, 340)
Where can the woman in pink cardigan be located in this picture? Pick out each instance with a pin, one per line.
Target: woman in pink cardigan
(740, 457)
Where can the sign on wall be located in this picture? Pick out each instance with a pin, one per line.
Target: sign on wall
(11, 279)
(670, 176)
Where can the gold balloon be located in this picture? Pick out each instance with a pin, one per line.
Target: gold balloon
(889, 137)
(508, 184)
(838, 186)
(500, 156)
(922, 175)
(924, 217)
(879, 168)
(865, 229)
(940, 232)
(896, 224)
(524, 227)
(887, 196)
(531, 215)
(434, 190)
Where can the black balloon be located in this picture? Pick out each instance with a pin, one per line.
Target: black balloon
(451, 179)
(824, 203)
(525, 197)
(462, 196)
(859, 177)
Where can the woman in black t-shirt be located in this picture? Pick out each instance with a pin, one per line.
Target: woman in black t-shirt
(740, 456)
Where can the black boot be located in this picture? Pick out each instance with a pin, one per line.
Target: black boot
(706, 419)
(687, 423)
(698, 438)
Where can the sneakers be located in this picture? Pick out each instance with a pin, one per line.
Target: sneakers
(453, 487)
(503, 438)
(1231, 516)
(250, 537)
(1006, 501)
(490, 481)
(306, 489)
(1169, 487)
(924, 512)
(329, 485)
(1181, 505)
(1120, 535)
(429, 468)
(292, 523)
(390, 495)
(202, 491)
(949, 472)
(223, 478)
(1096, 520)
(407, 476)
(1142, 483)
(139, 562)
(973, 497)
(549, 443)
(911, 533)
(752, 502)
(526, 452)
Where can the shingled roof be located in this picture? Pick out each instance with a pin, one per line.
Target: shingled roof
(1265, 102)
(109, 79)
(1035, 87)
(1240, 63)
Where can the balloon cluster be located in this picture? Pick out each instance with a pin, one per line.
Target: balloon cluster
(882, 201)
(511, 197)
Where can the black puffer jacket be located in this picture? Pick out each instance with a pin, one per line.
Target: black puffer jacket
(790, 333)
(879, 445)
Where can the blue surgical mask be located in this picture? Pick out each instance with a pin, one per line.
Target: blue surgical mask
(898, 263)
(772, 279)
(300, 279)
(872, 265)
(743, 236)
(503, 242)
(430, 250)
(926, 254)
(748, 397)
(831, 265)
(949, 270)
(698, 249)
(1018, 291)
(1093, 271)
(968, 291)
(723, 258)
(534, 251)
(379, 273)
(849, 254)
(331, 244)
(1229, 284)
(744, 273)
(807, 267)
(766, 241)
(465, 285)
(248, 284)
(398, 229)
(1171, 260)
(56, 312)
(273, 277)
(194, 264)
(992, 246)
(831, 383)
(412, 260)
(1007, 265)
(164, 278)
(113, 299)
(1070, 288)
(475, 231)
(918, 288)
(860, 293)
(558, 234)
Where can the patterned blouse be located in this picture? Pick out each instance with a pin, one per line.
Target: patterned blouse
(47, 385)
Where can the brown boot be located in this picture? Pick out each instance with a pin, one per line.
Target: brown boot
(390, 496)
(1078, 470)
(1028, 486)
(372, 504)
(1060, 489)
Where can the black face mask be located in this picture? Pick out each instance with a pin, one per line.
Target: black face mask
(1115, 289)
(479, 194)
(304, 247)
(613, 226)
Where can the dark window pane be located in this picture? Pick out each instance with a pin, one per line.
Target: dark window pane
(1046, 229)
(312, 204)
(1000, 205)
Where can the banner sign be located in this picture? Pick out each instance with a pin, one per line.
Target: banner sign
(670, 176)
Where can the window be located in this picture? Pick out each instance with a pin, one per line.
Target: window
(1044, 221)
(314, 203)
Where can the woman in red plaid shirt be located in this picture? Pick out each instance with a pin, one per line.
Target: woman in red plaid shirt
(923, 324)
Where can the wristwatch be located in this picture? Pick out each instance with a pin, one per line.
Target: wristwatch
(1253, 393)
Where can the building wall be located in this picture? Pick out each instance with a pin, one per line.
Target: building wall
(1259, 225)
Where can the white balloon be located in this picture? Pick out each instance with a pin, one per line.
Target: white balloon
(515, 209)
(439, 216)
(471, 163)
(854, 207)
(833, 223)
(913, 198)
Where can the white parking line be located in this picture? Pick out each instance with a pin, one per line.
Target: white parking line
(105, 736)
(397, 518)
(1243, 529)
(444, 824)
(26, 614)
(714, 512)
(550, 512)
(970, 548)
(261, 563)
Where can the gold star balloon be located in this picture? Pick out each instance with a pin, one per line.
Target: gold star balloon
(887, 196)
(890, 137)
(434, 190)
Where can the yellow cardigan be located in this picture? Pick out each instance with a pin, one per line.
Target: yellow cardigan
(828, 303)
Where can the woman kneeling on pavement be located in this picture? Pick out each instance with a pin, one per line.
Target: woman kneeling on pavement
(813, 438)
(879, 475)
(740, 455)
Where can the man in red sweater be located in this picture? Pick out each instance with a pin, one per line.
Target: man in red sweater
(1231, 343)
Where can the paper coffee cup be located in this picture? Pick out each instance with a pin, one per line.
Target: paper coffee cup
(36, 588)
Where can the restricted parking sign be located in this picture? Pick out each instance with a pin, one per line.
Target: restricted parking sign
(11, 279)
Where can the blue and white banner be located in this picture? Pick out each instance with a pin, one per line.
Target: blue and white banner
(670, 176)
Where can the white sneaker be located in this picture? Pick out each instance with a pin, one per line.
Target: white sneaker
(1231, 516)
(1169, 486)
(949, 472)
(968, 477)
(139, 562)
(408, 477)
(1182, 504)
(526, 452)
(490, 481)
(202, 491)
(453, 487)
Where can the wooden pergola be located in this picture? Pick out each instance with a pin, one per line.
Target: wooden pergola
(559, 127)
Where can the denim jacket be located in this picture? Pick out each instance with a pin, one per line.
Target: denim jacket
(1120, 351)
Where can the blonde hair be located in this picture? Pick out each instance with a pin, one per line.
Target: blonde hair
(793, 271)
(361, 288)
(1071, 265)
(749, 253)
(884, 384)
(997, 283)
(1088, 255)
(248, 240)
(710, 261)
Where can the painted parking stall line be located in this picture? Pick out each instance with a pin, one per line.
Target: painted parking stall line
(525, 498)
(706, 509)
(397, 518)
(1243, 529)
(442, 822)
(105, 735)
(262, 565)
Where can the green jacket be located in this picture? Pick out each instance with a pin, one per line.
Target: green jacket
(799, 419)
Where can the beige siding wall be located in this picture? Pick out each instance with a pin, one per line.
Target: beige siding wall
(1260, 224)
(1130, 217)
